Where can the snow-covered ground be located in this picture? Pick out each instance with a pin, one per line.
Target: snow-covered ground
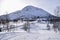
(37, 32)
(42, 35)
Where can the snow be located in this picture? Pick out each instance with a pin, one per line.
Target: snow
(38, 31)
(35, 11)
(42, 35)
(28, 12)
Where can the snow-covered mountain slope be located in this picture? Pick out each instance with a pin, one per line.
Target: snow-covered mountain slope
(29, 12)
(35, 11)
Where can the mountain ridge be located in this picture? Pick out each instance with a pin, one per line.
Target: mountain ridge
(29, 12)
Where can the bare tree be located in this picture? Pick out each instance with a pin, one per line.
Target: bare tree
(16, 20)
(26, 26)
(7, 22)
(3, 22)
(57, 11)
(39, 19)
(0, 27)
(48, 27)
(56, 25)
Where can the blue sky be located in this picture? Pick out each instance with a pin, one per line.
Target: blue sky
(14, 5)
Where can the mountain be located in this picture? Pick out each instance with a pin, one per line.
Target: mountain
(29, 12)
